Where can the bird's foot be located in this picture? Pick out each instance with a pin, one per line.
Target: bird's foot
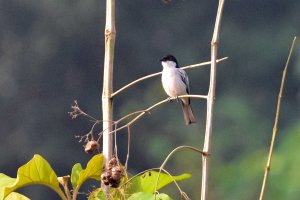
(170, 99)
(178, 99)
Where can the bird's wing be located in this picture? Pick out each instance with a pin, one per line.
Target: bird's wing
(185, 79)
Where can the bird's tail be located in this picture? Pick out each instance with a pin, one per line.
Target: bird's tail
(188, 114)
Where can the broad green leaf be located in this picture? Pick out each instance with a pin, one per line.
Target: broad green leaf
(147, 181)
(5, 180)
(148, 196)
(16, 196)
(77, 168)
(36, 171)
(93, 170)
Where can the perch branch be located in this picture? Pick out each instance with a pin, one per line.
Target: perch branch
(159, 73)
(154, 106)
(210, 102)
(268, 166)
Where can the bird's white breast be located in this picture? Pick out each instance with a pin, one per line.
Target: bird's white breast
(172, 81)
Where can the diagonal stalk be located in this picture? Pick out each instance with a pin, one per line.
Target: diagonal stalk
(268, 166)
(159, 73)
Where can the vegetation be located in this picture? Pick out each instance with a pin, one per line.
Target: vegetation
(51, 56)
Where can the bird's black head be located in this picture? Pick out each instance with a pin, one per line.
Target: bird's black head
(169, 58)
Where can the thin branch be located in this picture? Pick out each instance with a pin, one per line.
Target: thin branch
(117, 122)
(128, 147)
(76, 111)
(130, 114)
(210, 102)
(159, 73)
(169, 156)
(156, 105)
(268, 166)
(115, 139)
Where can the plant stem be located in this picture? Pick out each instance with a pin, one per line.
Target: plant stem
(268, 166)
(152, 107)
(107, 112)
(169, 156)
(210, 103)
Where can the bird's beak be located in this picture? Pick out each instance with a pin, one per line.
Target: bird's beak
(161, 59)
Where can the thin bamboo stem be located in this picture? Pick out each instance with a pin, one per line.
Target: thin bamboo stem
(210, 103)
(268, 166)
(159, 73)
(107, 109)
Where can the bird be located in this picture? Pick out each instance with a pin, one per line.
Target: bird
(175, 82)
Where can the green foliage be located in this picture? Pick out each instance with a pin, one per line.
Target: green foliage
(115, 194)
(36, 171)
(39, 171)
(147, 181)
(93, 170)
(77, 168)
(16, 196)
(140, 187)
(149, 196)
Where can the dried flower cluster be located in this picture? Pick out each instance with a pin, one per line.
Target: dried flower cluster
(76, 111)
(113, 175)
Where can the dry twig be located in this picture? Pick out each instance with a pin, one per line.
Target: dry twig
(268, 166)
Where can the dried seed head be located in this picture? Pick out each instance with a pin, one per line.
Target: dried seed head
(112, 163)
(115, 184)
(117, 173)
(91, 147)
(106, 177)
(113, 174)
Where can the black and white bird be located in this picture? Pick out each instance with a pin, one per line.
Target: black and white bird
(175, 83)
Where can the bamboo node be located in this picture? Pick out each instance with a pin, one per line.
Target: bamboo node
(205, 153)
(109, 32)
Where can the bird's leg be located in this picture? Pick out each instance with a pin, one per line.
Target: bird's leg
(178, 100)
(170, 99)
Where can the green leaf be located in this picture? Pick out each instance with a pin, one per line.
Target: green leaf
(36, 171)
(77, 168)
(148, 196)
(93, 170)
(16, 196)
(97, 195)
(115, 194)
(147, 181)
(5, 180)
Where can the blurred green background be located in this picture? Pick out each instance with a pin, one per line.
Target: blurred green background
(51, 53)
